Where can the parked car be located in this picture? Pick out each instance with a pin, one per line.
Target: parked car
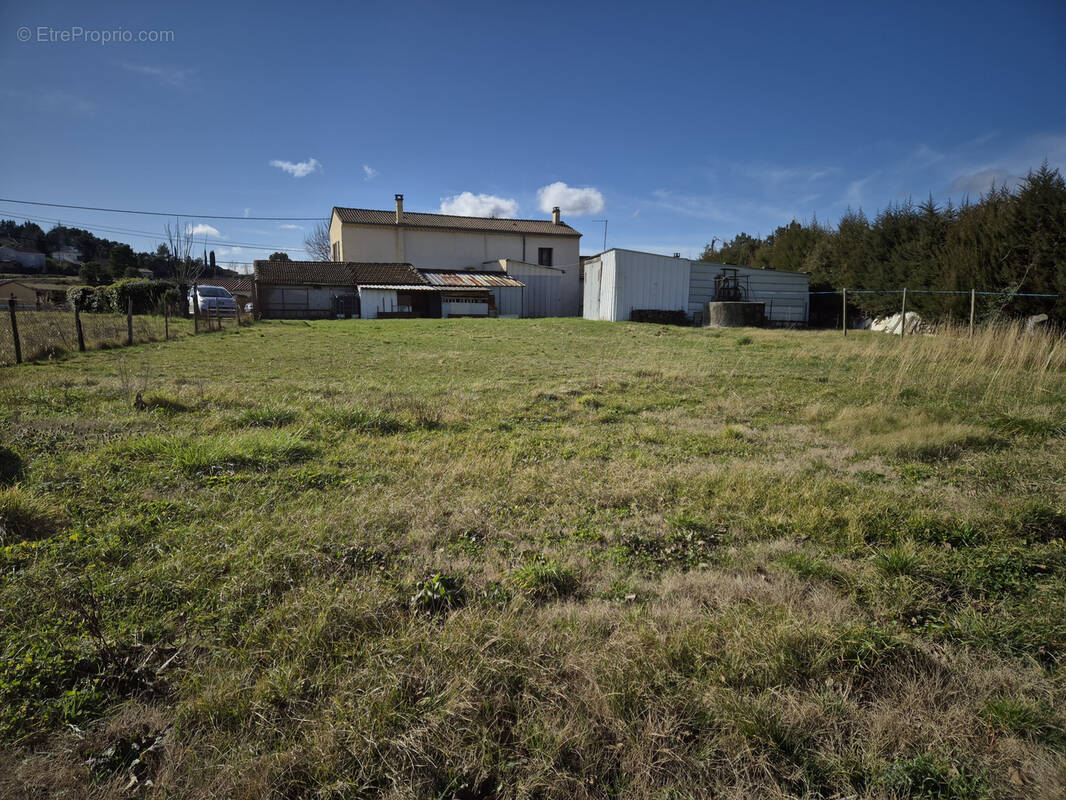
(214, 300)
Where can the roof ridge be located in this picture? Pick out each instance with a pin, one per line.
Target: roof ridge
(441, 214)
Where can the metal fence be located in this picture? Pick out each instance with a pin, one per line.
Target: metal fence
(37, 333)
(903, 294)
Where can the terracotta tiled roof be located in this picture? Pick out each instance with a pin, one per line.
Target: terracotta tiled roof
(334, 273)
(389, 274)
(241, 285)
(414, 219)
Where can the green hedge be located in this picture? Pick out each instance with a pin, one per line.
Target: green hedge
(147, 296)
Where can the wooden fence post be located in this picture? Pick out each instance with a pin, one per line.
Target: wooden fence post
(166, 320)
(973, 306)
(129, 320)
(78, 329)
(844, 310)
(903, 321)
(15, 329)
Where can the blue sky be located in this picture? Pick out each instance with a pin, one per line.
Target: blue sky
(677, 122)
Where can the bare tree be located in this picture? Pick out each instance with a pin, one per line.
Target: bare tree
(187, 271)
(317, 242)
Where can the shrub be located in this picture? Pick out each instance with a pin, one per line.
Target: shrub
(542, 581)
(438, 593)
(147, 296)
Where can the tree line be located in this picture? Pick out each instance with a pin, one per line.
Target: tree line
(1010, 240)
(103, 261)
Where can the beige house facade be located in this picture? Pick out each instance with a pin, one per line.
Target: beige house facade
(448, 242)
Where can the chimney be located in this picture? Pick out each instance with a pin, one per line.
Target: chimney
(399, 209)
(555, 215)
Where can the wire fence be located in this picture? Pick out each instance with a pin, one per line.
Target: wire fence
(848, 312)
(39, 333)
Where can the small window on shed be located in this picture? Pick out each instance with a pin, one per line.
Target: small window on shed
(544, 256)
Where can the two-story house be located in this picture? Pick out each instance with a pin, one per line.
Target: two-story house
(447, 242)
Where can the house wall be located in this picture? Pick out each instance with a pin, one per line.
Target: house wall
(509, 300)
(25, 296)
(32, 260)
(430, 248)
(784, 293)
(463, 306)
(297, 302)
(543, 293)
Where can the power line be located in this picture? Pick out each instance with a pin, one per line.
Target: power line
(146, 234)
(159, 213)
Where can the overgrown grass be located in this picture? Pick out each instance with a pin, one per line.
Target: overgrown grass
(537, 558)
(51, 334)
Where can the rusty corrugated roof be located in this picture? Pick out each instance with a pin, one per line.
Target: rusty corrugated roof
(469, 280)
(415, 219)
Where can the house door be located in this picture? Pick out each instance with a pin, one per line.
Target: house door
(346, 306)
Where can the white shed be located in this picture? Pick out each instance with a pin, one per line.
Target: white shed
(619, 281)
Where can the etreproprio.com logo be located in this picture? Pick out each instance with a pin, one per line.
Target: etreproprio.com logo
(76, 34)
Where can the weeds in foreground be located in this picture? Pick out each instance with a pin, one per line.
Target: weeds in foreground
(530, 558)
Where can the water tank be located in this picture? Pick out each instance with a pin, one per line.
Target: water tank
(727, 314)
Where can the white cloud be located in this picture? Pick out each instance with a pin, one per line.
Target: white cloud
(229, 254)
(469, 204)
(55, 100)
(369, 172)
(570, 200)
(168, 76)
(299, 169)
(980, 182)
(290, 227)
(201, 229)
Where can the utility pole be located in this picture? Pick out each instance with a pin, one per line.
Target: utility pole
(844, 310)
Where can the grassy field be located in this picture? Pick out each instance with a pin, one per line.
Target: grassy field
(538, 559)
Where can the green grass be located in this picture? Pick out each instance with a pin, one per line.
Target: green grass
(536, 558)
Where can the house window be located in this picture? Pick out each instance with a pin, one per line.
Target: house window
(336, 251)
(544, 256)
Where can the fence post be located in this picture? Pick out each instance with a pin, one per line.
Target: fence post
(78, 329)
(15, 329)
(844, 310)
(903, 322)
(195, 309)
(129, 320)
(973, 306)
(166, 320)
